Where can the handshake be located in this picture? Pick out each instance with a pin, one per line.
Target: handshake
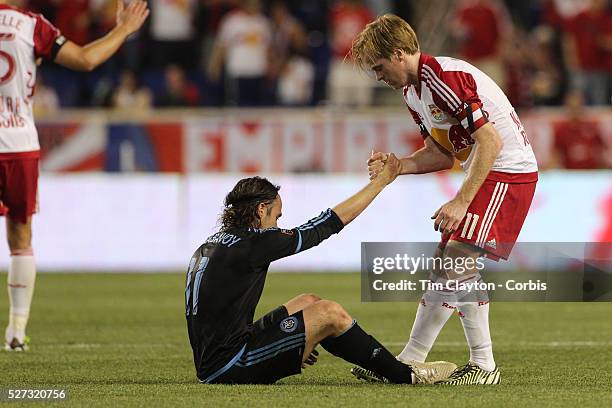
(384, 167)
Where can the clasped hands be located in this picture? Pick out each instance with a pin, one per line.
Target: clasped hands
(447, 217)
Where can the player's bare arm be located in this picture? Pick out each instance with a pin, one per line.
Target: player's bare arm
(349, 209)
(488, 145)
(88, 57)
(430, 158)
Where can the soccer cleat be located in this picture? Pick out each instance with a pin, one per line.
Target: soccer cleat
(430, 373)
(17, 346)
(424, 373)
(368, 375)
(471, 374)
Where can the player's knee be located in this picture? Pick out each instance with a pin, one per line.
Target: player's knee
(19, 243)
(19, 237)
(336, 316)
(309, 298)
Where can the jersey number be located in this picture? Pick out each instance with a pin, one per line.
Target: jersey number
(520, 127)
(192, 308)
(10, 61)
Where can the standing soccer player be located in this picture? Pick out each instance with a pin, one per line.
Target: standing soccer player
(462, 114)
(24, 38)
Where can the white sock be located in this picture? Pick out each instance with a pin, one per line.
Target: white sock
(21, 278)
(475, 320)
(433, 313)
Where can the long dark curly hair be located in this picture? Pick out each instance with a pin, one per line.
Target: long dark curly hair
(241, 203)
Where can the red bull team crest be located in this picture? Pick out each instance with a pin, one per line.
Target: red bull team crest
(436, 113)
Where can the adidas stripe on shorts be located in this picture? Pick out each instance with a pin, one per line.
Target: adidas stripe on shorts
(495, 217)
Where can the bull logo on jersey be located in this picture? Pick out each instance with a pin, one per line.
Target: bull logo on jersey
(459, 138)
(436, 113)
(289, 324)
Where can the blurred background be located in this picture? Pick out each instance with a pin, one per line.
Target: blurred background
(138, 155)
(245, 53)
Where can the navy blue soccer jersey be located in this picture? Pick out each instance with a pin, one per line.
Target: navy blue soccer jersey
(225, 279)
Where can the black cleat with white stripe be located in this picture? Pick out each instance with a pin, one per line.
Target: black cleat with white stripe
(368, 375)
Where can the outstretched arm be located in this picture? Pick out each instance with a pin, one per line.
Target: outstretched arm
(350, 208)
(275, 243)
(88, 57)
(430, 158)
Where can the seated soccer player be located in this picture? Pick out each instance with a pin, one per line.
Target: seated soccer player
(225, 280)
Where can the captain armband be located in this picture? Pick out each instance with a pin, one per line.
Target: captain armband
(57, 45)
(472, 117)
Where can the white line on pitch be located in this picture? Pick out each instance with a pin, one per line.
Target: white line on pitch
(521, 343)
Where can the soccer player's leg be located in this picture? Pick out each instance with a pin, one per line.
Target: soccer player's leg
(19, 195)
(273, 351)
(436, 307)
(300, 302)
(291, 307)
(492, 225)
(330, 325)
(473, 309)
(276, 346)
(434, 310)
(281, 344)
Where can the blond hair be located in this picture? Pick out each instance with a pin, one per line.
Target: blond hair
(380, 38)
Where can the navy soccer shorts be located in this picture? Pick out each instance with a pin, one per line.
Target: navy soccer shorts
(273, 351)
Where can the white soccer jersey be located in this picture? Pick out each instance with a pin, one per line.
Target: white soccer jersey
(24, 37)
(453, 99)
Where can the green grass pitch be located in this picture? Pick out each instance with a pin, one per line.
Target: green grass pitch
(120, 340)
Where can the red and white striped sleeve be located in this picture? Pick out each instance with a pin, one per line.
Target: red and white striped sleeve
(455, 93)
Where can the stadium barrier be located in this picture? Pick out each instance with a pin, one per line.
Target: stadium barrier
(154, 222)
(250, 141)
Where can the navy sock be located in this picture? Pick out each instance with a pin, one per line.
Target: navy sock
(358, 347)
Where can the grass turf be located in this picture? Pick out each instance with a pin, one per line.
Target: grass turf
(120, 340)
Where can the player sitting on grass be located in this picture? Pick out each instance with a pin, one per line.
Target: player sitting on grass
(225, 280)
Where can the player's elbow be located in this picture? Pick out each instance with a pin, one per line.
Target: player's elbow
(81, 65)
(87, 65)
(75, 57)
(85, 62)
